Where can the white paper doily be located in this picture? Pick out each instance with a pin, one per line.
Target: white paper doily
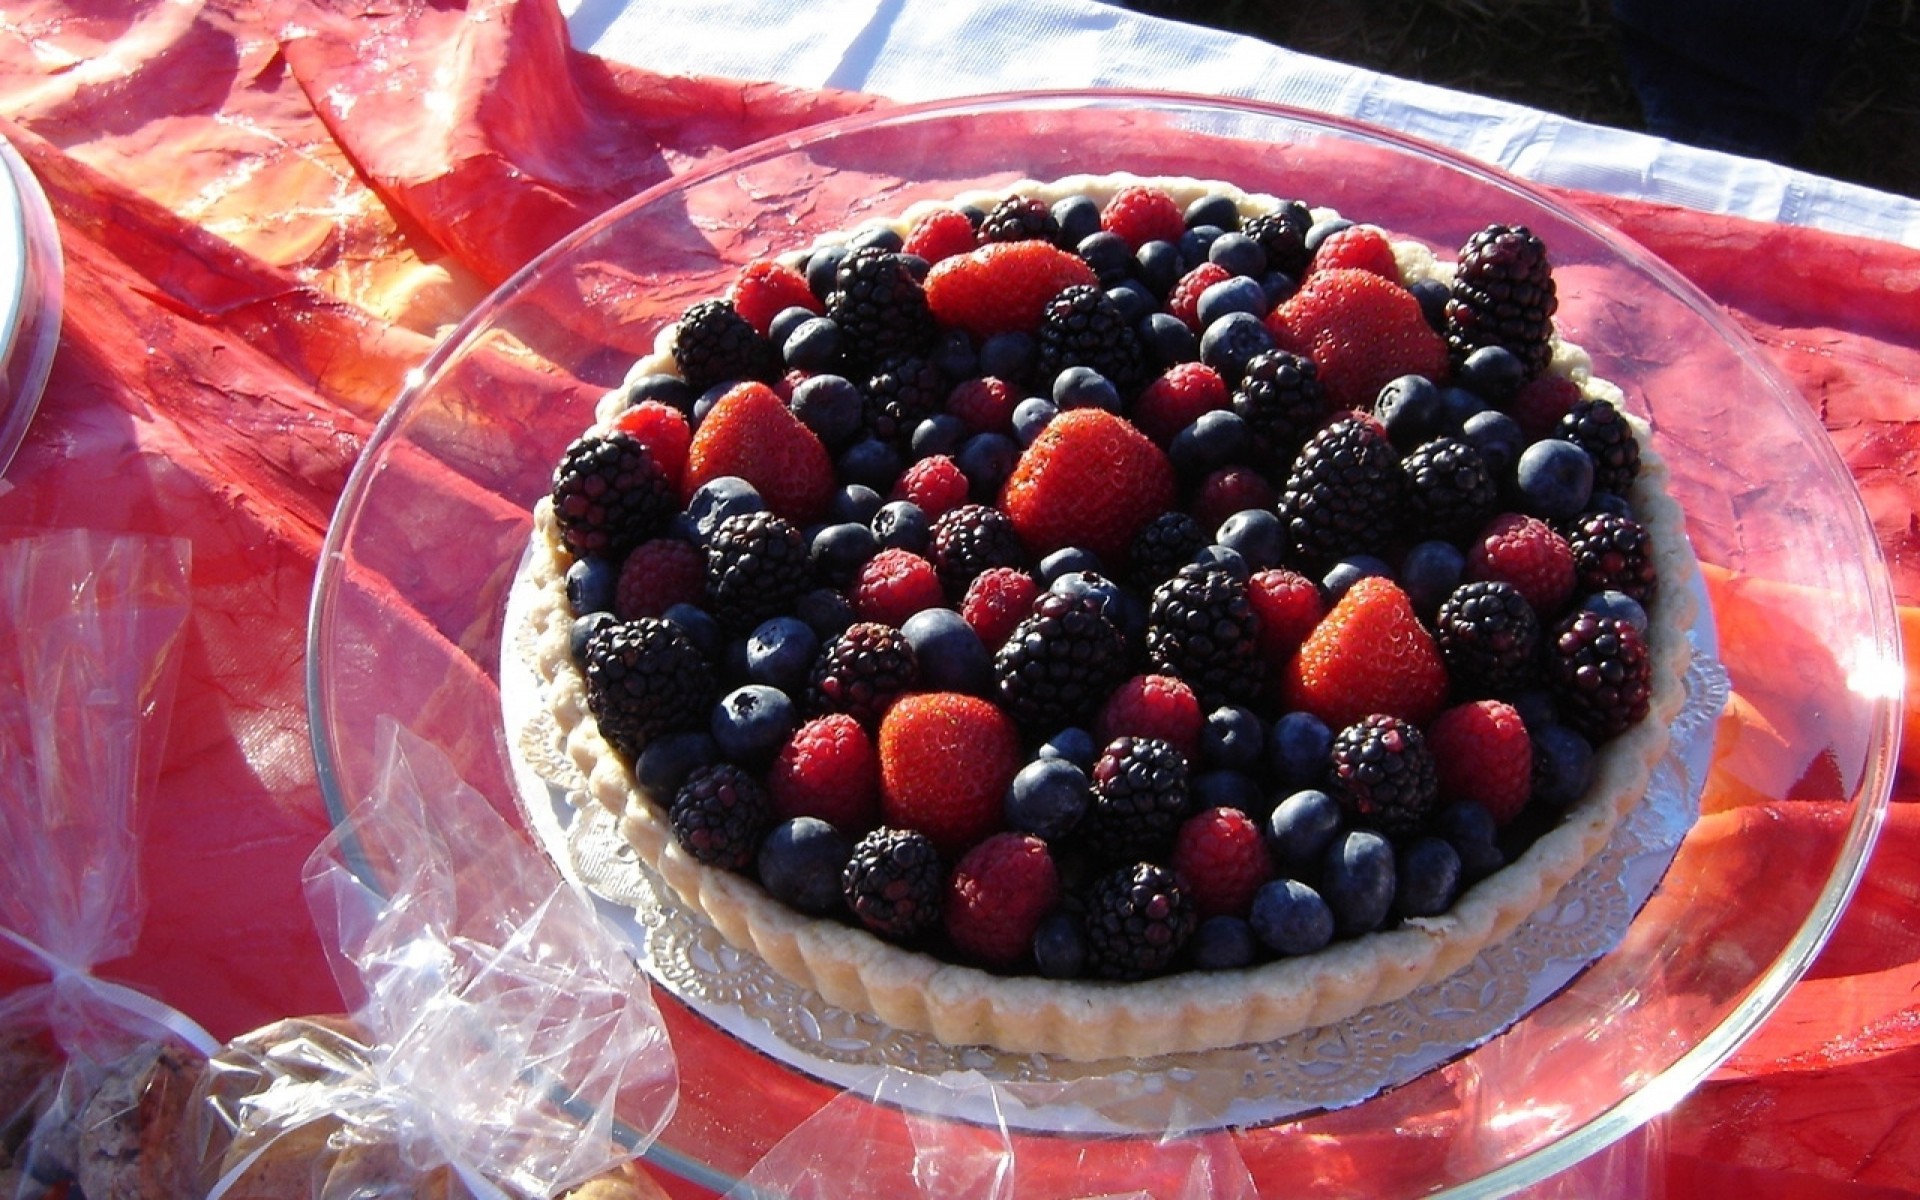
(1329, 1067)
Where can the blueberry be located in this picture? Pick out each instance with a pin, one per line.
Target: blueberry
(1227, 789)
(1031, 416)
(1064, 561)
(1108, 254)
(1047, 798)
(1226, 558)
(1553, 479)
(879, 236)
(1159, 265)
(902, 525)
(666, 762)
(670, 390)
(1291, 918)
(1133, 301)
(719, 498)
(1168, 340)
(751, 723)
(780, 653)
(1279, 288)
(1301, 828)
(1562, 765)
(1258, 534)
(1429, 573)
(839, 551)
(1494, 372)
(1498, 438)
(1221, 438)
(1239, 254)
(800, 863)
(1432, 295)
(591, 582)
(823, 265)
(1427, 877)
(1357, 879)
(813, 345)
(1536, 707)
(1351, 570)
(1073, 744)
(1298, 750)
(941, 433)
(787, 320)
(1084, 387)
(1078, 217)
(1232, 737)
(1240, 294)
(1410, 407)
(1216, 209)
(1008, 356)
(854, 502)
(954, 355)
(1322, 230)
(1195, 243)
(1457, 407)
(987, 459)
(1060, 947)
(582, 631)
(1222, 943)
(699, 627)
(1611, 603)
(951, 655)
(870, 462)
(1469, 828)
(1229, 342)
(826, 611)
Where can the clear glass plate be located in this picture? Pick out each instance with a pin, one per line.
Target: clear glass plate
(407, 620)
(31, 272)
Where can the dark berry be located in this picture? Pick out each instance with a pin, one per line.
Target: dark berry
(1201, 626)
(757, 566)
(1138, 919)
(901, 394)
(1282, 234)
(1612, 554)
(1488, 637)
(971, 539)
(1140, 796)
(1383, 774)
(1164, 545)
(1344, 493)
(1503, 295)
(644, 679)
(894, 883)
(609, 496)
(1450, 493)
(1018, 219)
(1060, 661)
(1600, 673)
(1081, 327)
(1280, 398)
(714, 344)
(862, 672)
(880, 307)
(1602, 430)
(720, 814)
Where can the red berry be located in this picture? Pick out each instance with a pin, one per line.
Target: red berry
(1180, 396)
(1289, 605)
(664, 431)
(1003, 287)
(921, 738)
(893, 585)
(1155, 706)
(1370, 655)
(1184, 301)
(764, 289)
(935, 483)
(941, 234)
(1062, 492)
(998, 599)
(999, 892)
(1223, 858)
(986, 404)
(1230, 490)
(658, 575)
(1142, 214)
(1361, 247)
(751, 433)
(1481, 752)
(1361, 331)
(828, 770)
(1541, 402)
(1527, 553)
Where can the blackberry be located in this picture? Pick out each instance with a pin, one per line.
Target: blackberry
(1489, 637)
(1282, 234)
(900, 396)
(1280, 398)
(881, 309)
(1612, 553)
(894, 883)
(1600, 429)
(1600, 673)
(713, 343)
(1503, 295)
(645, 679)
(1060, 662)
(1202, 628)
(720, 814)
(1450, 492)
(757, 567)
(1343, 494)
(1140, 797)
(862, 672)
(1383, 774)
(1138, 919)
(1082, 327)
(1020, 219)
(1163, 546)
(609, 496)
(971, 539)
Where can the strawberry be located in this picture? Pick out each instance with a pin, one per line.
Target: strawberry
(1180, 396)
(1361, 331)
(941, 234)
(998, 599)
(828, 770)
(1361, 247)
(1369, 655)
(1222, 856)
(750, 433)
(663, 430)
(997, 896)
(1481, 752)
(935, 483)
(1289, 605)
(1090, 479)
(1529, 554)
(765, 288)
(1184, 301)
(657, 575)
(893, 585)
(1155, 706)
(921, 738)
(1003, 287)
(1141, 214)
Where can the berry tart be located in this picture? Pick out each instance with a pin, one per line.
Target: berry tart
(1116, 617)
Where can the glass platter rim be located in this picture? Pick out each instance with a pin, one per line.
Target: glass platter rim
(31, 297)
(1762, 994)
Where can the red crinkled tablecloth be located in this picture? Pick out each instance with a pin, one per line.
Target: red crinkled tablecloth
(267, 212)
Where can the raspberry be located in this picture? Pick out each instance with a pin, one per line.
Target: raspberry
(757, 566)
(713, 343)
(894, 883)
(658, 575)
(1542, 402)
(720, 814)
(1019, 219)
(750, 432)
(1153, 706)
(997, 600)
(893, 585)
(1363, 247)
(1481, 752)
(921, 738)
(1230, 490)
(986, 404)
(1059, 662)
(609, 495)
(645, 679)
(1361, 331)
(1383, 773)
(863, 671)
(664, 431)
(828, 770)
(1600, 673)
(970, 539)
(1201, 627)
(1370, 655)
(1003, 287)
(1525, 552)
(1140, 214)
(1061, 492)
(766, 288)
(940, 235)
(1184, 301)
(1288, 605)
(935, 483)
(1176, 399)
(998, 894)
(1221, 855)
(1138, 919)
